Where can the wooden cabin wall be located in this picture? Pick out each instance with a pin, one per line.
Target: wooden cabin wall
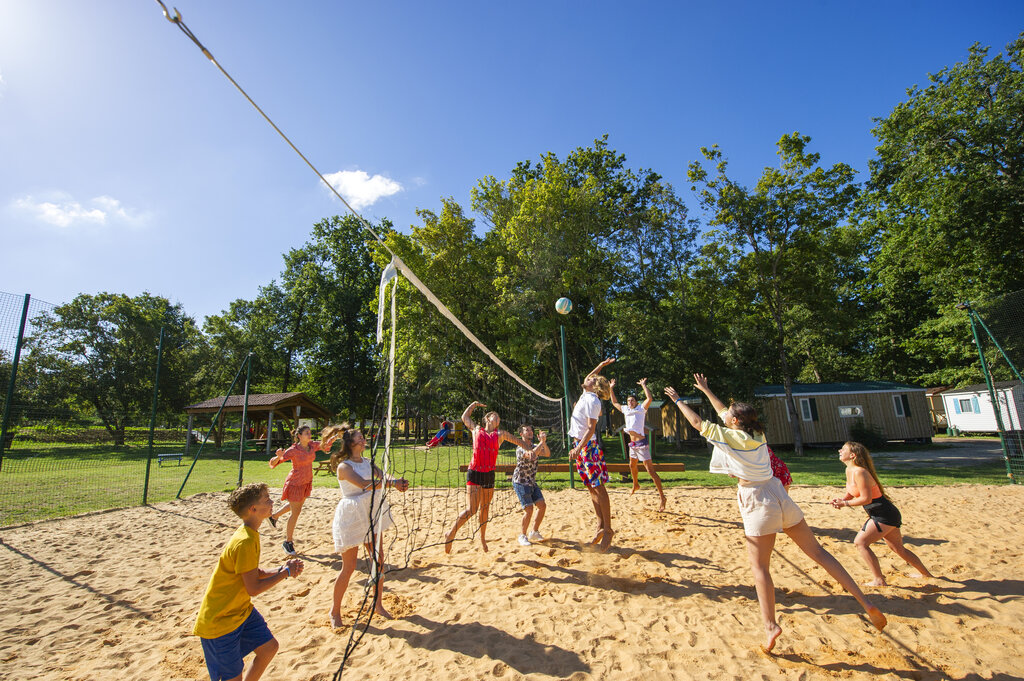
(878, 412)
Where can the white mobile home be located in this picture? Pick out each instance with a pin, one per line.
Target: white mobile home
(969, 409)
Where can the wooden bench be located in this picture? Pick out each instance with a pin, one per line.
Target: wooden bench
(568, 468)
(322, 467)
(160, 458)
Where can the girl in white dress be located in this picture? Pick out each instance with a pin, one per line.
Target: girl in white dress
(361, 484)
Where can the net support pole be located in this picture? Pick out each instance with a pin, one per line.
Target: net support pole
(216, 419)
(14, 374)
(568, 404)
(245, 414)
(152, 416)
(991, 388)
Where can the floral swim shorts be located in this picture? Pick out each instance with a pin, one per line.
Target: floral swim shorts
(590, 464)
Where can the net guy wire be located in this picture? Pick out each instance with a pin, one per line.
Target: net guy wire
(177, 20)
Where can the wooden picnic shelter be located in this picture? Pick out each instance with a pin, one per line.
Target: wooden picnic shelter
(263, 412)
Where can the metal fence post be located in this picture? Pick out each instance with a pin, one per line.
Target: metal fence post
(245, 413)
(152, 416)
(10, 384)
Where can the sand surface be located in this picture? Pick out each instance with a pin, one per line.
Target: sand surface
(114, 595)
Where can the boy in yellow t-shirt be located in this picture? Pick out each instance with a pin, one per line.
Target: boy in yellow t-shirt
(228, 625)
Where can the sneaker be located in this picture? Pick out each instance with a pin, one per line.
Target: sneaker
(289, 548)
(273, 521)
(536, 536)
(523, 541)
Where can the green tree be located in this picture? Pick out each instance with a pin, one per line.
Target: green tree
(99, 352)
(788, 249)
(945, 215)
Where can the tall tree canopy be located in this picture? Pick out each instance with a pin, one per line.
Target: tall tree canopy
(945, 209)
(789, 253)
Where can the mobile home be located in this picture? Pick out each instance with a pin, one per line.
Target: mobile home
(828, 411)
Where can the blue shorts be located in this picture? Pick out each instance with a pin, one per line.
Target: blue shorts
(528, 494)
(224, 654)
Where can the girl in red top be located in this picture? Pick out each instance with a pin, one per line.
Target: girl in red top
(298, 486)
(480, 477)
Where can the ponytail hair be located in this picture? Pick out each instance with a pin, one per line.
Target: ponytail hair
(341, 448)
(862, 458)
(746, 415)
(298, 431)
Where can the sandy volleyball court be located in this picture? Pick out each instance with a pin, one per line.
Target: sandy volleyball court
(113, 595)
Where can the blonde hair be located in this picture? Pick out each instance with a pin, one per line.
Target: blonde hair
(862, 458)
(601, 387)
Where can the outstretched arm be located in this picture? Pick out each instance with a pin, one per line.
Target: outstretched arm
(693, 417)
(602, 365)
(469, 410)
(647, 391)
(701, 384)
(615, 401)
(509, 437)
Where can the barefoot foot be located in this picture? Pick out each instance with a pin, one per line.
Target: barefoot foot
(336, 619)
(877, 618)
(771, 635)
(663, 500)
(636, 486)
(448, 539)
(597, 537)
(874, 582)
(483, 543)
(381, 611)
(606, 541)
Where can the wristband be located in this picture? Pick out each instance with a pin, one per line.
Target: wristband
(678, 400)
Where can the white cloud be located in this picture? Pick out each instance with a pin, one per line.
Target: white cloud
(62, 210)
(361, 190)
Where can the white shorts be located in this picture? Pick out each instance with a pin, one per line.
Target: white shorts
(766, 508)
(640, 453)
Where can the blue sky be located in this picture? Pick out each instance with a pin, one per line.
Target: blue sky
(128, 163)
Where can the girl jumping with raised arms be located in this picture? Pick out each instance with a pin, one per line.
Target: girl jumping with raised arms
(764, 504)
(864, 489)
(480, 477)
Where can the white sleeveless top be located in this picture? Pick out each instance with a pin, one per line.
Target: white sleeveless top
(362, 469)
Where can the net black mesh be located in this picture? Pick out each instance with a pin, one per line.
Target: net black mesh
(438, 373)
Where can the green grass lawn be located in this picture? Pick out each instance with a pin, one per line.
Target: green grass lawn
(49, 480)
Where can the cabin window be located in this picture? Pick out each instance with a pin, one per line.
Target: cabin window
(808, 409)
(898, 404)
(853, 411)
(966, 405)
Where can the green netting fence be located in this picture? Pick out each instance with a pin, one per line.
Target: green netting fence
(64, 451)
(998, 328)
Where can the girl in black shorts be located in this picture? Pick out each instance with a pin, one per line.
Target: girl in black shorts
(884, 520)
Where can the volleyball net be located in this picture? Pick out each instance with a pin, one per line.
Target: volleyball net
(432, 369)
